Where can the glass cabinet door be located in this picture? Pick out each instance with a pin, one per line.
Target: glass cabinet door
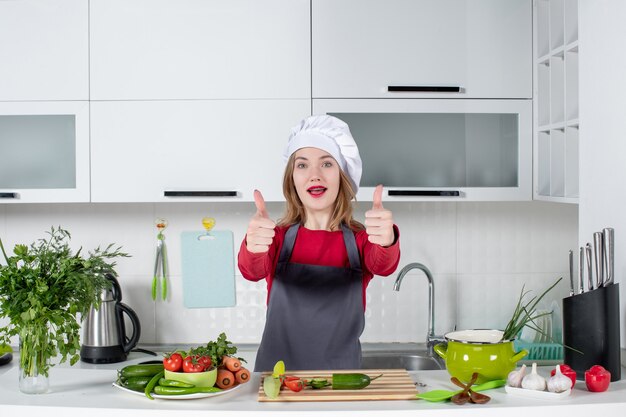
(465, 149)
(44, 152)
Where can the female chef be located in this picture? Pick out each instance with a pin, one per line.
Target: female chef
(318, 260)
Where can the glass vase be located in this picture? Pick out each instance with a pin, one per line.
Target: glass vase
(34, 362)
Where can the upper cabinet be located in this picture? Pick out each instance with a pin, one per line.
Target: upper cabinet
(190, 150)
(44, 50)
(556, 101)
(199, 49)
(422, 48)
(44, 151)
(440, 149)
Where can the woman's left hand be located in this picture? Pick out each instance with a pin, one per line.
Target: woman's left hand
(379, 221)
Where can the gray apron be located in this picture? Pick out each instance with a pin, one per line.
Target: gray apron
(315, 313)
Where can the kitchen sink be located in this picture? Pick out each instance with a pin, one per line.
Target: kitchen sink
(394, 360)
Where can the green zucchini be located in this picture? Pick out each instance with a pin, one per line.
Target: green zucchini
(352, 381)
(163, 390)
(136, 383)
(131, 371)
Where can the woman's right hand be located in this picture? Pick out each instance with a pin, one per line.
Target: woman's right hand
(260, 232)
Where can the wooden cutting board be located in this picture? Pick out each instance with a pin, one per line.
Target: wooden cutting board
(395, 384)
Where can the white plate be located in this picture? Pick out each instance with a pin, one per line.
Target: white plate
(540, 395)
(180, 397)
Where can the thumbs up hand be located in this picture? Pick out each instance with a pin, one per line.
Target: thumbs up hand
(261, 228)
(379, 221)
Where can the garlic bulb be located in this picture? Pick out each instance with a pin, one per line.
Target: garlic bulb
(559, 382)
(534, 380)
(515, 377)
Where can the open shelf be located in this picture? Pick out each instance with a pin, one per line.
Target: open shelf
(556, 100)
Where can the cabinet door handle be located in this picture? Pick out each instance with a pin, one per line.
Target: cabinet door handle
(424, 88)
(200, 193)
(424, 193)
(8, 195)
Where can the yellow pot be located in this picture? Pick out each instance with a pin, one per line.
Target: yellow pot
(481, 351)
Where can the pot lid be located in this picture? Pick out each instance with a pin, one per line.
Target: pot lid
(483, 336)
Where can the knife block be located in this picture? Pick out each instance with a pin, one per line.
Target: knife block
(591, 325)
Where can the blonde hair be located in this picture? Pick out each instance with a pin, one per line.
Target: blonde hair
(342, 210)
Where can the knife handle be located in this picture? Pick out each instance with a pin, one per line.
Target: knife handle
(598, 245)
(589, 267)
(581, 270)
(609, 253)
(571, 272)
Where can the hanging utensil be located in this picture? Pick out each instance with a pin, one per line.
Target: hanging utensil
(609, 253)
(160, 262)
(598, 245)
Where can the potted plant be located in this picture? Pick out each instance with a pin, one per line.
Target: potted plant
(44, 288)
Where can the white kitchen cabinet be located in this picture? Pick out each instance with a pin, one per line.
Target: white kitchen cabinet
(44, 152)
(440, 149)
(556, 122)
(424, 48)
(197, 150)
(44, 50)
(200, 49)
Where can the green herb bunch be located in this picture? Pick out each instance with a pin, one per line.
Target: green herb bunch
(525, 314)
(44, 288)
(216, 349)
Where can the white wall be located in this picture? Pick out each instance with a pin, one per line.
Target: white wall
(603, 128)
(480, 255)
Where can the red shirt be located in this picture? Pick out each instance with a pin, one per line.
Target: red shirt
(320, 247)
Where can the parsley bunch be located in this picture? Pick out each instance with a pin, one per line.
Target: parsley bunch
(44, 288)
(216, 349)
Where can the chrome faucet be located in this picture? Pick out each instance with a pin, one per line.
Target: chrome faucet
(431, 339)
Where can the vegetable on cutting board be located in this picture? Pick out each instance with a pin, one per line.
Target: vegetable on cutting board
(338, 381)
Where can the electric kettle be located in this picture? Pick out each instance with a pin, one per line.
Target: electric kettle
(104, 334)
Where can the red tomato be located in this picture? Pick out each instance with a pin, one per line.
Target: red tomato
(293, 383)
(173, 362)
(205, 361)
(191, 365)
(568, 372)
(597, 379)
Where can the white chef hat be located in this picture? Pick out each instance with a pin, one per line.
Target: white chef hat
(331, 135)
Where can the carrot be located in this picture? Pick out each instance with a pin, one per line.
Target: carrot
(232, 364)
(242, 375)
(225, 378)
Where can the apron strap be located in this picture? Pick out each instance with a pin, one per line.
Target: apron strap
(353, 252)
(348, 238)
(288, 244)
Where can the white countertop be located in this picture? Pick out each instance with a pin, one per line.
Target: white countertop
(86, 389)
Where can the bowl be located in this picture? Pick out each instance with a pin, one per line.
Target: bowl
(199, 379)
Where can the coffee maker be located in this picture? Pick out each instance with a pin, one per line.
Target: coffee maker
(104, 333)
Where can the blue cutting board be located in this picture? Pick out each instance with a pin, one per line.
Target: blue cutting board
(208, 267)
